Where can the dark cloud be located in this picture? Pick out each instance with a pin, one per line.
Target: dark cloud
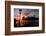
(27, 11)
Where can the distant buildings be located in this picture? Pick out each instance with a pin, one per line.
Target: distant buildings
(26, 20)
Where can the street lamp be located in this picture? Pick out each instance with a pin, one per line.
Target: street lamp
(20, 10)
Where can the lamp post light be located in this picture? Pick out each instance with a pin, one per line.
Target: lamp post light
(20, 10)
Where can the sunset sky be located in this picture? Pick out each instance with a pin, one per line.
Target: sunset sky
(26, 12)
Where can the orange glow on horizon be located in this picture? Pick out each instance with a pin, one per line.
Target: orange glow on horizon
(19, 18)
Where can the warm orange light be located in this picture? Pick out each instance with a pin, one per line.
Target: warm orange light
(19, 18)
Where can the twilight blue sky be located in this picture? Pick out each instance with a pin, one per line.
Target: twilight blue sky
(27, 12)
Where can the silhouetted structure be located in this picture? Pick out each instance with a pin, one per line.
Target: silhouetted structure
(29, 22)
